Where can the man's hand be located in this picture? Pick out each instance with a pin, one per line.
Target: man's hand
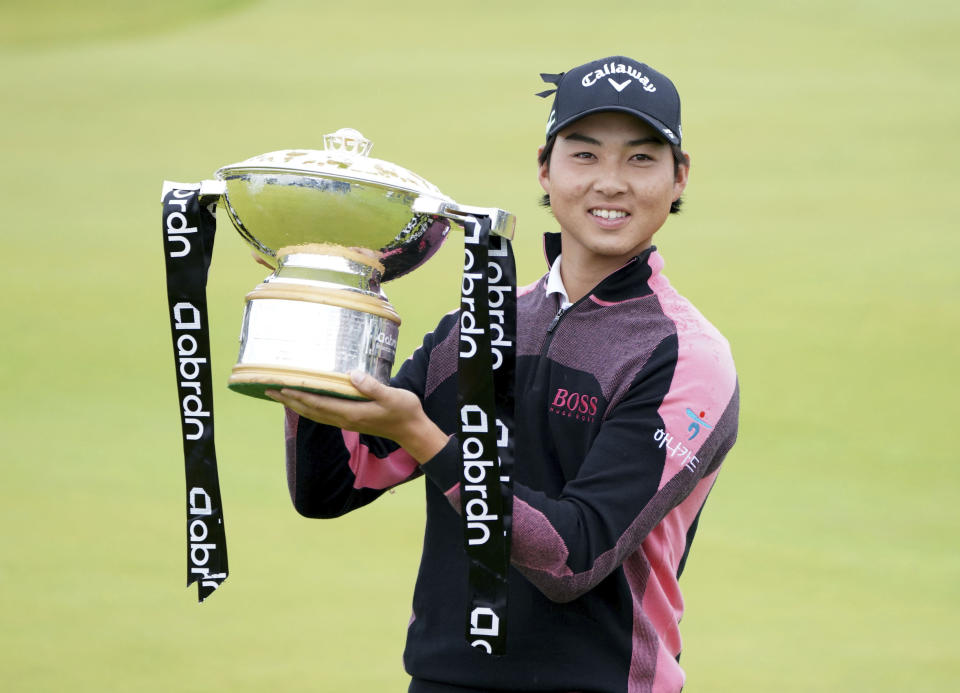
(391, 413)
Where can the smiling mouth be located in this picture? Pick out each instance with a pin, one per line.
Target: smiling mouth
(609, 213)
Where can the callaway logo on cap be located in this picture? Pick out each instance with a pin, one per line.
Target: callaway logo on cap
(615, 84)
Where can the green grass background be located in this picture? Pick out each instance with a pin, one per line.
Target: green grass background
(820, 234)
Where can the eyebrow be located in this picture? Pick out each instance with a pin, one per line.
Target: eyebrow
(577, 137)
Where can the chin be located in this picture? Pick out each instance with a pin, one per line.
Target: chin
(624, 251)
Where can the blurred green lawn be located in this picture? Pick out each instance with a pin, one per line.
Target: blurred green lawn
(820, 235)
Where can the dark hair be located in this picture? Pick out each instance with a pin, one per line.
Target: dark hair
(678, 160)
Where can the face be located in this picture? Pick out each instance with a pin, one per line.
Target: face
(611, 183)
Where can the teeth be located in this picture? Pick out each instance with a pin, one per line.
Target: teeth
(608, 213)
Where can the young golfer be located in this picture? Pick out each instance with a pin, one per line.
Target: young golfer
(627, 403)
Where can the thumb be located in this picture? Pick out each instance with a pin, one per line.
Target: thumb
(367, 385)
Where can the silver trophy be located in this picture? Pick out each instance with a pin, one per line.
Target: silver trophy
(336, 224)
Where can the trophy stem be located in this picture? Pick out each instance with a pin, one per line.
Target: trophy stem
(331, 265)
(318, 317)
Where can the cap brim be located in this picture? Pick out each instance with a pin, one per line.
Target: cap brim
(669, 135)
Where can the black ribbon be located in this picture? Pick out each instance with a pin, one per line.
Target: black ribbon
(189, 226)
(485, 398)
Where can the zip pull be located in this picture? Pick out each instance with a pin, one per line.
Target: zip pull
(556, 319)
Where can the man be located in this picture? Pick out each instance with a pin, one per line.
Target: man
(627, 405)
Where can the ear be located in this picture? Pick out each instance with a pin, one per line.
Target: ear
(683, 175)
(543, 172)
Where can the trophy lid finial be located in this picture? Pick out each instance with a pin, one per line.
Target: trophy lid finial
(347, 141)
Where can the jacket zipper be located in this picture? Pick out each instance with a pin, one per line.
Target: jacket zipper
(564, 311)
(556, 319)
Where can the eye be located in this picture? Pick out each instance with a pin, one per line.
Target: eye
(583, 155)
(641, 157)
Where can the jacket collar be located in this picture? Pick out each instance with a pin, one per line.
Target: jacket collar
(630, 281)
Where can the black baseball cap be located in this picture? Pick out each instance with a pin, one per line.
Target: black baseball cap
(617, 83)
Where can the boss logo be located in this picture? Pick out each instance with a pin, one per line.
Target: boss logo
(574, 405)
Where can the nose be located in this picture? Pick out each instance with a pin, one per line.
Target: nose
(609, 180)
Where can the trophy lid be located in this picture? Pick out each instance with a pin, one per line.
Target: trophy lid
(344, 157)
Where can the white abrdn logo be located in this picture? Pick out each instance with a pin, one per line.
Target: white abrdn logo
(618, 86)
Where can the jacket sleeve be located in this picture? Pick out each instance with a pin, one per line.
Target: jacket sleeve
(641, 465)
(331, 471)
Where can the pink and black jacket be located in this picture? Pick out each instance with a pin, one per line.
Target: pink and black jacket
(627, 403)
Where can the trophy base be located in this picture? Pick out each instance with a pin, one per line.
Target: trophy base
(256, 380)
(308, 336)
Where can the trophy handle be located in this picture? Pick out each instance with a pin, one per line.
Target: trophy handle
(502, 222)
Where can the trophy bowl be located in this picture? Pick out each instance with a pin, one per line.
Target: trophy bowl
(336, 224)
